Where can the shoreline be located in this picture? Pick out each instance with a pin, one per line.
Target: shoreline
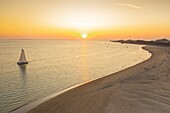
(59, 102)
(28, 106)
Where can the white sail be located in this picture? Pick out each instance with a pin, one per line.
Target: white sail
(22, 59)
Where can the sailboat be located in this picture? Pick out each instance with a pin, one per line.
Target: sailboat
(22, 59)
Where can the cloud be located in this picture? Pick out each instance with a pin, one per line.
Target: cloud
(128, 5)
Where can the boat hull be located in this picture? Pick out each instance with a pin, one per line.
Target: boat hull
(22, 63)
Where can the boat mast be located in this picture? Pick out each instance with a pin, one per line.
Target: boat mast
(23, 56)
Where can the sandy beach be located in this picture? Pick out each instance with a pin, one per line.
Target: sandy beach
(143, 88)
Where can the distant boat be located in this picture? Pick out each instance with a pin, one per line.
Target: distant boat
(22, 59)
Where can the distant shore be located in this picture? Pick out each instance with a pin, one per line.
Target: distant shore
(143, 88)
(158, 42)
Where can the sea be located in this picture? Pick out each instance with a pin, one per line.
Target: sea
(55, 65)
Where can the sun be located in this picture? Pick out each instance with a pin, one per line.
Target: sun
(84, 35)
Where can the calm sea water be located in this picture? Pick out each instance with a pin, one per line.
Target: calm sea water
(55, 65)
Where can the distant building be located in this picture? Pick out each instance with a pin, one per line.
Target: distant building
(164, 40)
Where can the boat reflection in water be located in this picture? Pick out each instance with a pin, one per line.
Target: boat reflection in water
(22, 70)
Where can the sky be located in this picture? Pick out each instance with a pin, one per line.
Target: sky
(98, 19)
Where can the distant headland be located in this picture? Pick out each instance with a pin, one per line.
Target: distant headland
(158, 42)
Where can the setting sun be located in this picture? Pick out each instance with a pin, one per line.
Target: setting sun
(84, 36)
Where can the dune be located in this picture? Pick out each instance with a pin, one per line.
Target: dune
(143, 88)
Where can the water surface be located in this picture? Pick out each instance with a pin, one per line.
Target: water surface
(55, 65)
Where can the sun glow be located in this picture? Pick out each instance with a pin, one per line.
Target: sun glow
(75, 19)
(84, 36)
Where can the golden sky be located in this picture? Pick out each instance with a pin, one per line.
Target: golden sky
(99, 19)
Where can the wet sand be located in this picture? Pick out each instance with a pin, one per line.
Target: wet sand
(143, 88)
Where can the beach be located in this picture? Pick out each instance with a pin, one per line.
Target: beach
(56, 65)
(143, 88)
